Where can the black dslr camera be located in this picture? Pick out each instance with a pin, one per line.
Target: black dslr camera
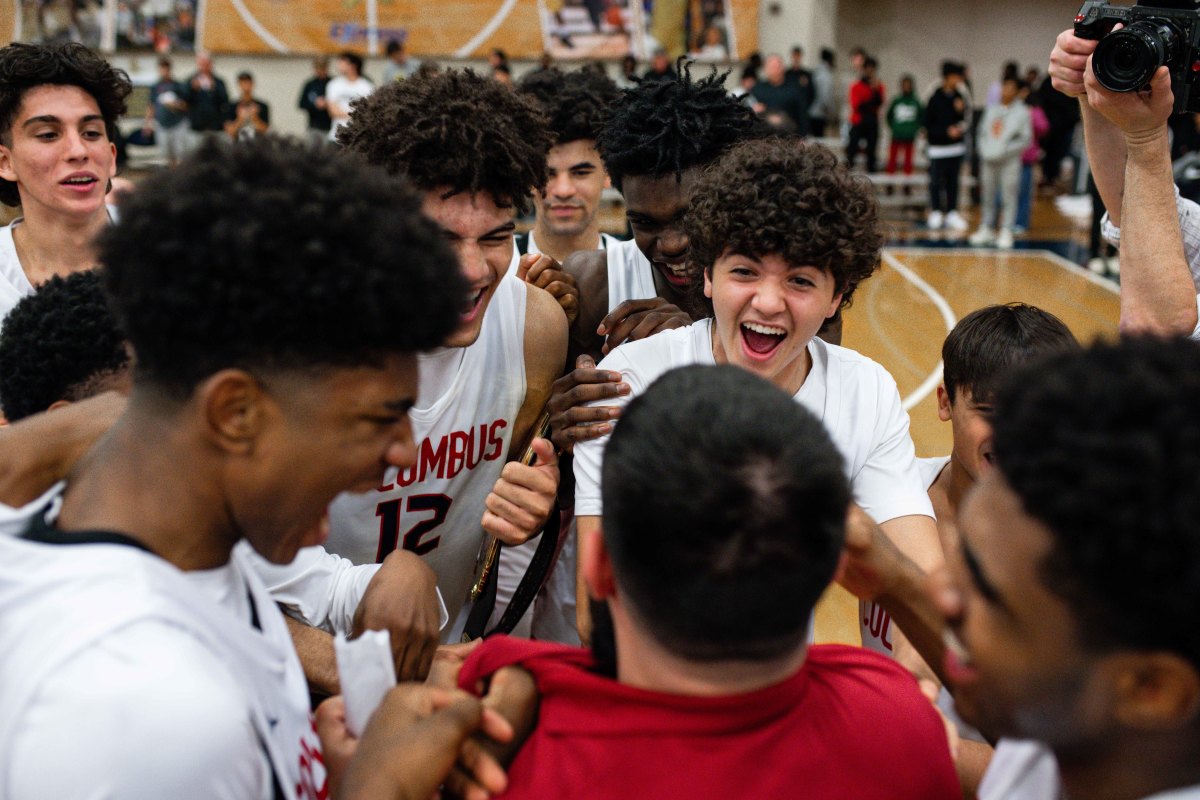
(1167, 32)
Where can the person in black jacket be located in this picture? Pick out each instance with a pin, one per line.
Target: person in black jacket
(312, 101)
(945, 128)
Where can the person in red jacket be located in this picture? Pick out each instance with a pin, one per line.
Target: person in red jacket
(723, 523)
(866, 99)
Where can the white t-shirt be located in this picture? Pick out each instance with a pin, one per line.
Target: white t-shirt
(14, 284)
(124, 677)
(343, 92)
(855, 398)
(606, 241)
(630, 274)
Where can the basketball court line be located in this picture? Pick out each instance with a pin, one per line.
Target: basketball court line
(486, 31)
(931, 381)
(1049, 255)
(256, 26)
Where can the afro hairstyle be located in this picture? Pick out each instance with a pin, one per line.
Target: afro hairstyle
(270, 254)
(1102, 446)
(59, 343)
(456, 131)
(28, 66)
(664, 127)
(577, 103)
(789, 198)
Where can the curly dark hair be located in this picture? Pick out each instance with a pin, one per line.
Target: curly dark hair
(27, 66)
(664, 127)
(789, 198)
(456, 130)
(58, 344)
(275, 255)
(1103, 447)
(577, 103)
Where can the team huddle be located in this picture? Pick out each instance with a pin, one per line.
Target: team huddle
(290, 392)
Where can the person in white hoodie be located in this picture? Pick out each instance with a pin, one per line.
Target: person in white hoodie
(1004, 132)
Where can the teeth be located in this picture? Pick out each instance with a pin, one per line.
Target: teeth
(766, 330)
(956, 647)
(80, 180)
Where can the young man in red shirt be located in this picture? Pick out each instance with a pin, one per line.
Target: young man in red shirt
(723, 523)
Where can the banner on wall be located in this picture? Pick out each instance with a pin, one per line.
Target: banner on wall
(714, 30)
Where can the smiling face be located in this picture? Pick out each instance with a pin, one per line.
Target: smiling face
(320, 434)
(58, 152)
(481, 234)
(572, 198)
(655, 209)
(971, 424)
(1023, 670)
(766, 311)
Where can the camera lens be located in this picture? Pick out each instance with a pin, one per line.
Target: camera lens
(1127, 59)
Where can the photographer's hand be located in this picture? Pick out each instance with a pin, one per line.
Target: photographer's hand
(1069, 63)
(1142, 115)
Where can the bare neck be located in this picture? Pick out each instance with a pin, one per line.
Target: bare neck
(559, 247)
(1132, 770)
(148, 479)
(645, 664)
(49, 244)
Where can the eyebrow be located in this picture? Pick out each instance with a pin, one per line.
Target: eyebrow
(53, 119)
(582, 165)
(981, 581)
(400, 406)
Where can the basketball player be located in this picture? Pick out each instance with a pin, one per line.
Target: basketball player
(576, 104)
(141, 656)
(724, 514)
(776, 263)
(983, 346)
(59, 106)
(476, 150)
(1077, 552)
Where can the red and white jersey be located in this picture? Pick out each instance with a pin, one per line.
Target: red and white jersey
(467, 402)
(122, 676)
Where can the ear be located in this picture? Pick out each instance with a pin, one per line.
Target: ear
(236, 410)
(596, 566)
(834, 305)
(112, 166)
(1156, 691)
(943, 400)
(59, 404)
(6, 164)
(708, 283)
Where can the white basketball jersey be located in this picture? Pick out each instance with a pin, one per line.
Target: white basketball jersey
(467, 403)
(630, 275)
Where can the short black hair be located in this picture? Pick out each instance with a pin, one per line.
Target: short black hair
(664, 127)
(952, 68)
(393, 46)
(245, 76)
(789, 198)
(28, 66)
(576, 103)
(724, 513)
(828, 56)
(989, 342)
(58, 343)
(1103, 448)
(870, 62)
(454, 130)
(305, 258)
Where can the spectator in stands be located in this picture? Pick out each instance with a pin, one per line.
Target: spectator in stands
(1063, 113)
(824, 108)
(1005, 131)
(904, 118)
(867, 96)
(166, 114)
(781, 101)
(342, 91)
(207, 99)
(398, 66)
(628, 77)
(1041, 126)
(249, 116)
(313, 103)
(660, 68)
(712, 46)
(945, 129)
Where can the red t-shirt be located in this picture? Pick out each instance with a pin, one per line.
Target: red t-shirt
(849, 724)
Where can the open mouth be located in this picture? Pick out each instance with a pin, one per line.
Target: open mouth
(958, 665)
(676, 274)
(80, 182)
(761, 341)
(473, 304)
